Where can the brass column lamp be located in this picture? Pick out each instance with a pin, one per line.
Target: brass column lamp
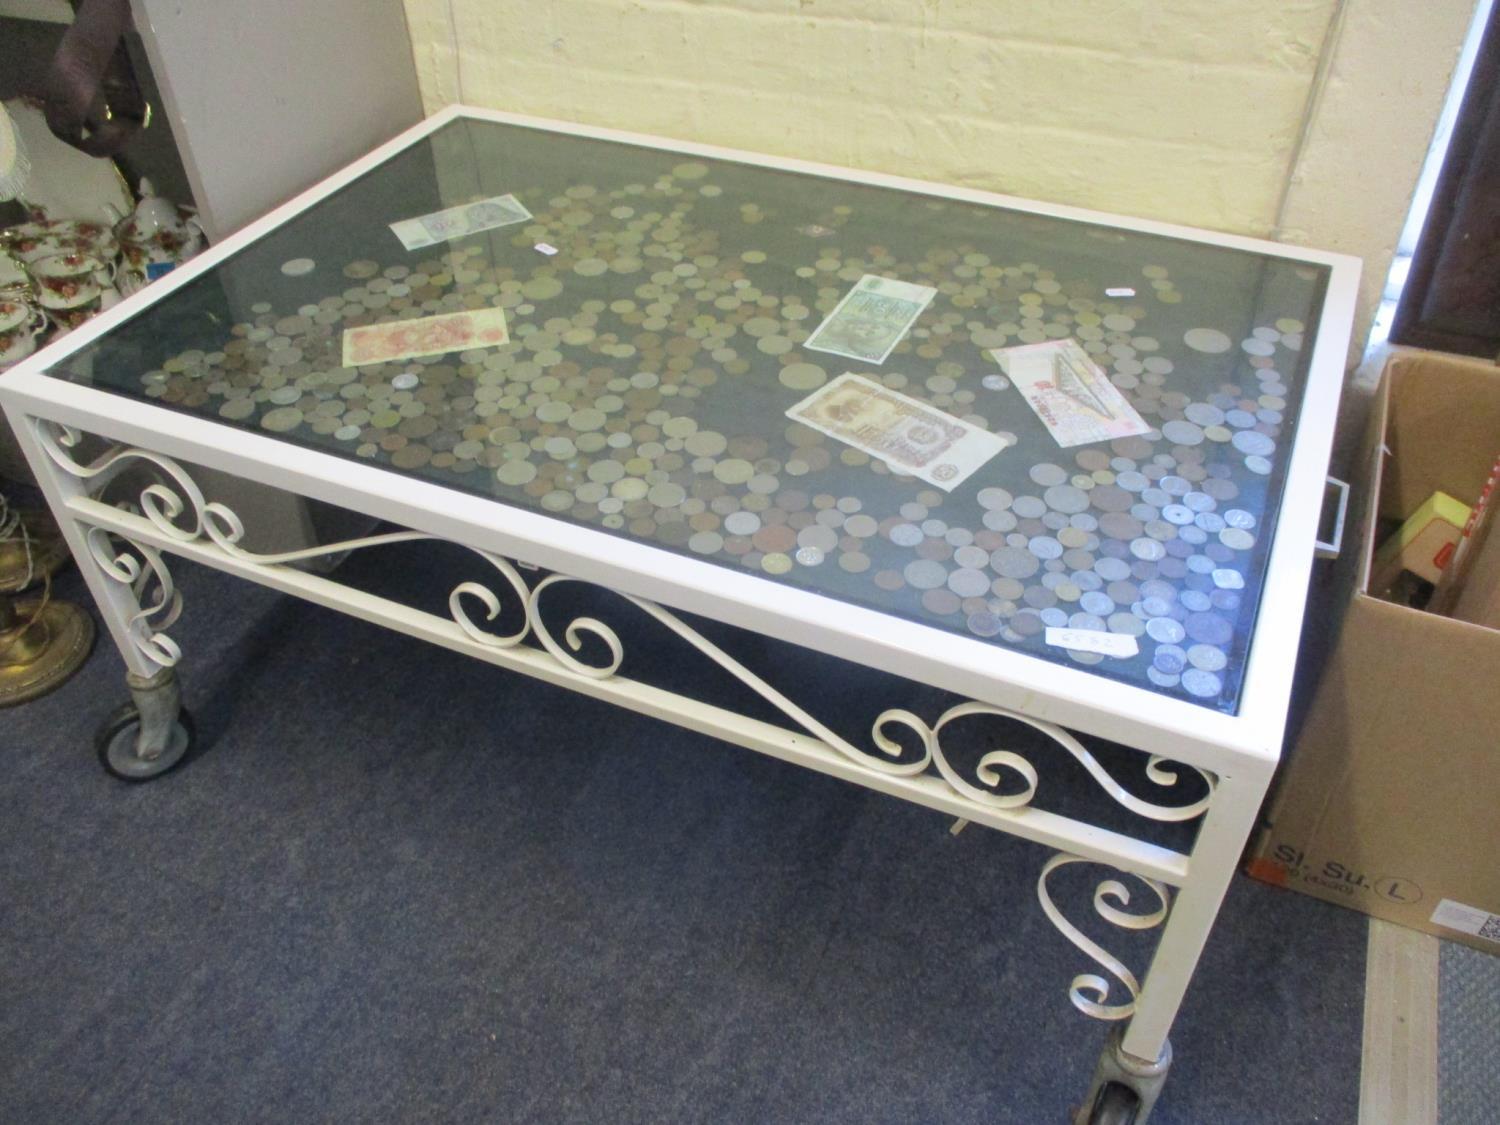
(42, 641)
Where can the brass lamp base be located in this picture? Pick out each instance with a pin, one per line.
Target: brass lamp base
(40, 650)
(48, 552)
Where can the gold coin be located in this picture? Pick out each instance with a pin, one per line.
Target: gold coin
(282, 419)
(803, 376)
(734, 471)
(776, 563)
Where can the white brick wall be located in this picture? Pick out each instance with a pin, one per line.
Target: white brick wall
(1185, 110)
(1172, 109)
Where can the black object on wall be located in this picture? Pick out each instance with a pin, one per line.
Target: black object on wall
(1451, 301)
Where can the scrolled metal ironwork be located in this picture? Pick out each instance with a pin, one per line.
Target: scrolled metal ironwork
(1090, 992)
(1160, 771)
(161, 504)
(139, 572)
(178, 509)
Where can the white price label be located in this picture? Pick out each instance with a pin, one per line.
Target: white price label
(1093, 640)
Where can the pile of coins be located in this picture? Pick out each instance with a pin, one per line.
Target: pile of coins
(652, 358)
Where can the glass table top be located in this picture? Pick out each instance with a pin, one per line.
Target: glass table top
(659, 309)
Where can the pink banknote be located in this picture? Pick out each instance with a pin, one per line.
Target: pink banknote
(427, 335)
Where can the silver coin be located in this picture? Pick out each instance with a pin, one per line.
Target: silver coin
(1165, 630)
(1111, 569)
(1236, 538)
(994, 383)
(1177, 514)
(925, 574)
(1028, 507)
(742, 523)
(1209, 629)
(1169, 659)
(1203, 684)
(284, 396)
(1098, 603)
(1148, 550)
(297, 267)
(1160, 678)
(1207, 340)
(967, 582)
(404, 381)
(1014, 562)
(984, 624)
(1207, 658)
(999, 521)
(1045, 547)
(906, 535)
(347, 433)
(1226, 579)
(1254, 442)
(1067, 499)
(967, 555)
(809, 556)
(1258, 465)
(705, 542)
(861, 526)
(1203, 414)
(994, 499)
(1181, 432)
(816, 535)
(1047, 474)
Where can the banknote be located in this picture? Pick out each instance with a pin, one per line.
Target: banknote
(1070, 394)
(909, 436)
(871, 319)
(427, 335)
(459, 222)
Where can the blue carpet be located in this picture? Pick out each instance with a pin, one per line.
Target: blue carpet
(398, 885)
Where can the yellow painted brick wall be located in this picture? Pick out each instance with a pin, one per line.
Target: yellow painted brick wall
(1186, 110)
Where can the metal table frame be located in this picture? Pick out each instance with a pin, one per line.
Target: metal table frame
(1235, 754)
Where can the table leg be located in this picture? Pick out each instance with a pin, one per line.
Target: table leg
(149, 735)
(1135, 1061)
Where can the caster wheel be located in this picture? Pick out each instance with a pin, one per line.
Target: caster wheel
(1115, 1105)
(115, 743)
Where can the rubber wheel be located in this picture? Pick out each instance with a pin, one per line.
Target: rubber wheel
(1115, 1105)
(115, 744)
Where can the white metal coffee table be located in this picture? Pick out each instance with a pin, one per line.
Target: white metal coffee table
(632, 436)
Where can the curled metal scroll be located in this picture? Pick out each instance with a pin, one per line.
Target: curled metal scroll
(146, 572)
(167, 502)
(990, 766)
(1090, 991)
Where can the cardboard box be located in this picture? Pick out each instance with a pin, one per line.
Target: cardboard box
(1388, 800)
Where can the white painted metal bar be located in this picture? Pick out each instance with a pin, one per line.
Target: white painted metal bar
(1214, 860)
(117, 604)
(1037, 825)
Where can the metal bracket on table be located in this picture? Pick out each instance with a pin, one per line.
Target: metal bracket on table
(1335, 543)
